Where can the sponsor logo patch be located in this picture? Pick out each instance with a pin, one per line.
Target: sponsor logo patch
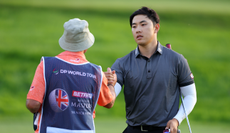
(31, 88)
(55, 71)
(76, 60)
(82, 94)
(191, 75)
(59, 100)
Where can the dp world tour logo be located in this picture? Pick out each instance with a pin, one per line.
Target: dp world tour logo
(59, 100)
(55, 71)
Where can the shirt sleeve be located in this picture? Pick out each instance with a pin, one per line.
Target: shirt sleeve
(190, 99)
(119, 72)
(37, 89)
(105, 96)
(185, 76)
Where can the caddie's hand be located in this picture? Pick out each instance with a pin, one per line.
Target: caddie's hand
(172, 125)
(111, 77)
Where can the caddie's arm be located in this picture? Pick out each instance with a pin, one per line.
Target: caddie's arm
(32, 105)
(112, 79)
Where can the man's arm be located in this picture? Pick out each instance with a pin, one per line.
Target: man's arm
(190, 98)
(32, 105)
(117, 88)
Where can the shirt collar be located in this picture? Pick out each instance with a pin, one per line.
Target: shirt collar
(159, 49)
(137, 52)
(74, 57)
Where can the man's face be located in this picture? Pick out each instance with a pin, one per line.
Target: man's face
(143, 30)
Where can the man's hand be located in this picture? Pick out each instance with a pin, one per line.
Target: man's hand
(172, 125)
(111, 76)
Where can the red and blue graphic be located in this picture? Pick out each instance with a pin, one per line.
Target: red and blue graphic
(59, 100)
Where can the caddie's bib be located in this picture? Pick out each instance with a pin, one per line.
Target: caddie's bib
(72, 91)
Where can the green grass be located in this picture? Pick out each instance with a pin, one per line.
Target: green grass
(112, 125)
(118, 125)
(197, 6)
(199, 30)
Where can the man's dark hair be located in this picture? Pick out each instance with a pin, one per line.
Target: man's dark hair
(150, 13)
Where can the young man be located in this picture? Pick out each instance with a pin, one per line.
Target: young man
(66, 88)
(153, 77)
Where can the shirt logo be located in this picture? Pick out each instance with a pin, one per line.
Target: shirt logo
(59, 100)
(31, 88)
(76, 60)
(55, 71)
(191, 75)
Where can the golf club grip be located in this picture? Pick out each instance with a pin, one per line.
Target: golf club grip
(168, 45)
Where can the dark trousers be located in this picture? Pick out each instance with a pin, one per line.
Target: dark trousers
(132, 129)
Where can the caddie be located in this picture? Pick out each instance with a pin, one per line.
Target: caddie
(67, 87)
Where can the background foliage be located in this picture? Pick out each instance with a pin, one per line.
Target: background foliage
(199, 30)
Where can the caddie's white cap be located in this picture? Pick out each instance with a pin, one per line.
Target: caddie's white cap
(76, 36)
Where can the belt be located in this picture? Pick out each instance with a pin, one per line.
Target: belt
(146, 128)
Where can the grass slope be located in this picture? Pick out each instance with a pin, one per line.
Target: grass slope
(31, 29)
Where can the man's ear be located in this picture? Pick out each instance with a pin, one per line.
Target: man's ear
(157, 27)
